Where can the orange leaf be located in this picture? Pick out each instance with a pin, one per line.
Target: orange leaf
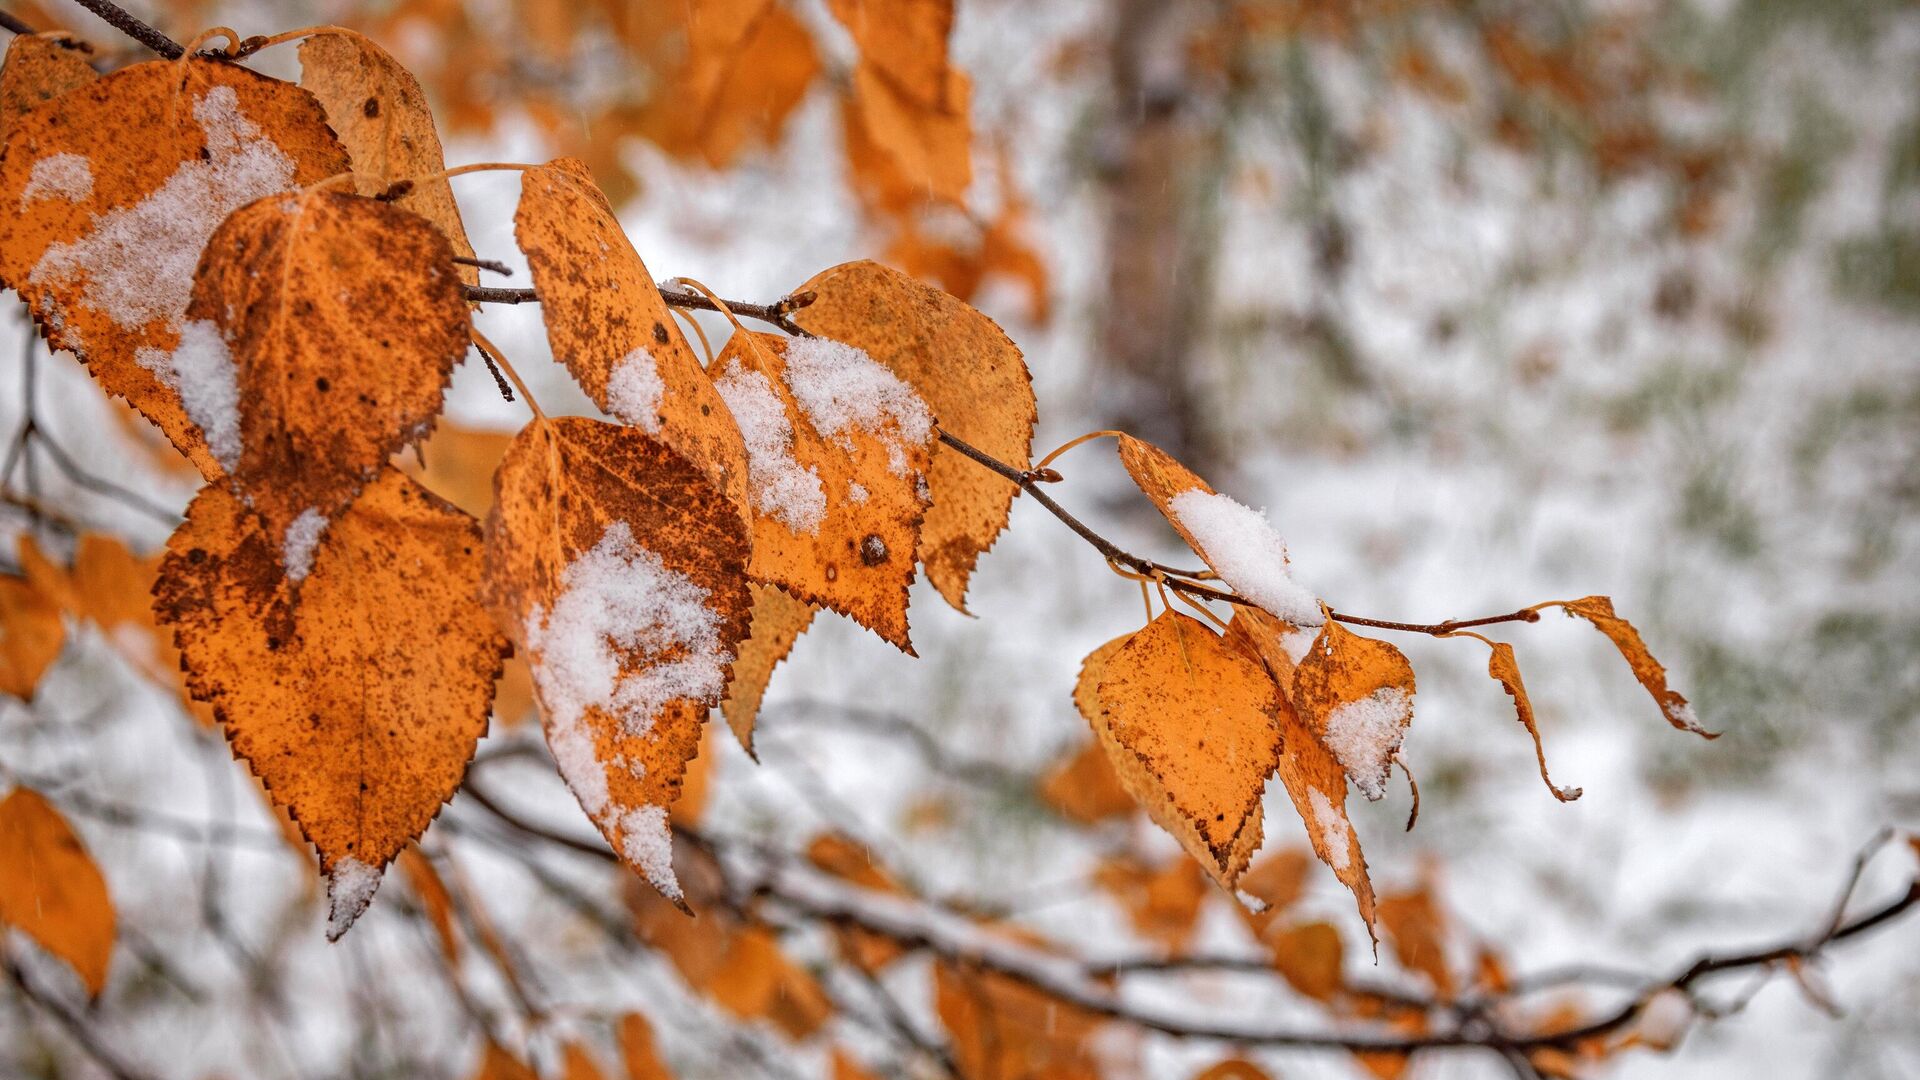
(577, 1064)
(1162, 903)
(972, 377)
(1235, 540)
(931, 149)
(380, 113)
(1232, 1069)
(905, 41)
(50, 888)
(846, 1068)
(1356, 695)
(778, 622)
(620, 572)
(1312, 775)
(756, 980)
(637, 1050)
(39, 68)
(432, 893)
(1598, 610)
(736, 88)
(358, 698)
(31, 635)
(497, 1064)
(1309, 957)
(837, 459)
(849, 861)
(1006, 1030)
(120, 183)
(1503, 667)
(606, 321)
(1083, 786)
(322, 333)
(1190, 723)
(1417, 930)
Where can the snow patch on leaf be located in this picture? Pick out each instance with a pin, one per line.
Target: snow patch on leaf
(634, 390)
(647, 842)
(350, 888)
(59, 176)
(839, 386)
(303, 536)
(781, 488)
(1333, 826)
(1365, 734)
(200, 369)
(1243, 548)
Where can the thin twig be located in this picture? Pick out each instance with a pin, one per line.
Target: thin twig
(77, 1029)
(120, 19)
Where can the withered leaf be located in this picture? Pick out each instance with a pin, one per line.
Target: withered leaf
(972, 377)
(39, 68)
(120, 182)
(31, 635)
(1190, 723)
(336, 320)
(1355, 695)
(380, 113)
(1083, 786)
(928, 148)
(1598, 610)
(637, 1050)
(1504, 668)
(620, 572)
(358, 699)
(906, 42)
(1003, 1029)
(1161, 902)
(735, 89)
(50, 888)
(1309, 957)
(1416, 930)
(838, 450)
(497, 1064)
(778, 621)
(607, 323)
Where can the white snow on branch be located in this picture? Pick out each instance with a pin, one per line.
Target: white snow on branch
(1365, 734)
(634, 390)
(781, 488)
(1243, 548)
(59, 176)
(839, 386)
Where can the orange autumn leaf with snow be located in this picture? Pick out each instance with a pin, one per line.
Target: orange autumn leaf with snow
(50, 888)
(1598, 610)
(970, 374)
(323, 687)
(150, 159)
(620, 571)
(1503, 668)
(339, 319)
(1355, 694)
(1190, 723)
(837, 459)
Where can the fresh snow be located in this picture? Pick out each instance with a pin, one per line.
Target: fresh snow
(839, 386)
(137, 261)
(59, 176)
(634, 389)
(1243, 548)
(350, 888)
(647, 842)
(1333, 830)
(200, 369)
(303, 536)
(1365, 734)
(781, 488)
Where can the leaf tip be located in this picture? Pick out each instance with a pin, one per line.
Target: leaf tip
(350, 888)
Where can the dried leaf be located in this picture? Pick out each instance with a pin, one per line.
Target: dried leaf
(931, 149)
(31, 635)
(1083, 786)
(1162, 903)
(334, 321)
(380, 113)
(838, 451)
(1598, 610)
(39, 68)
(1504, 668)
(853, 862)
(905, 42)
(778, 622)
(637, 1050)
(1356, 695)
(50, 888)
(620, 571)
(1277, 881)
(1312, 775)
(972, 377)
(1416, 929)
(134, 172)
(1309, 957)
(357, 701)
(733, 94)
(497, 1064)
(1190, 723)
(1236, 541)
(606, 321)
(457, 463)
(1005, 1030)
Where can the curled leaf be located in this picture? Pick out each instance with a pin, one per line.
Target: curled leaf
(1503, 667)
(50, 888)
(1598, 610)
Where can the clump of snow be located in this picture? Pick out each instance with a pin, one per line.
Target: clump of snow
(1333, 830)
(137, 261)
(839, 386)
(303, 536)
(647, 842)
(856, 493)
(1365, 734)
(1296, 641)
(781, 488)
(200, 369)
(350, 888)
(59, 176)
(1243, 548)
(634, 389)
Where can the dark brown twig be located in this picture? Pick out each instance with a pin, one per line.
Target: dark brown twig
(122, 20)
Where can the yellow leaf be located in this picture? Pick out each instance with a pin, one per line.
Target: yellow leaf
(905, 41)
(135, 171)
(837, 459)
(1356, 695)
(619, 570)
(971, 376)
(741, 96)
(1504, 668)
(50, 888)
(778, 622)
(31, 635)
(1190, 723)
(358, 698)
(1598, 610)
(39, 68)
(606, 321)
(380, 113)
(338, 319)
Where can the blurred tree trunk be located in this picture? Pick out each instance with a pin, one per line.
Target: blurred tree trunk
(1162, 156)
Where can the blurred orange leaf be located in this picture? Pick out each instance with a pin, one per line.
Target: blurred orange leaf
(50, 888)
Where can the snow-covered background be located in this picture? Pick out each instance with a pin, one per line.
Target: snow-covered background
(1538, 389)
